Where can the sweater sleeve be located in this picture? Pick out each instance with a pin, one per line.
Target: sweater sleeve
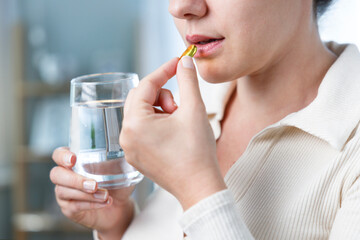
(213, 218)
(347, 221)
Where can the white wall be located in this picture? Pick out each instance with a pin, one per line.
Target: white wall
(341, 22)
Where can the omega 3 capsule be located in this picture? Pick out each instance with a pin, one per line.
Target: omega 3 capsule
(190, 51)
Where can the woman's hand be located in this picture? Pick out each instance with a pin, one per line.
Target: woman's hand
(109, 212)
(175, 148)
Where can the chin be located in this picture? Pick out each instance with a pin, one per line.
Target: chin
(209, 73)
(214, 75)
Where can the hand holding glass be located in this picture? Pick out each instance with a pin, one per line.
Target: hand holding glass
(97, 103)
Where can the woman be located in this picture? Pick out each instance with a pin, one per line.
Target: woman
(276, 156)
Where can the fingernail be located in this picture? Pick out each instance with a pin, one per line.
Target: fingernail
(89, 185)
(187, 62)
(101, 194)
(68, 159)
(174, 104)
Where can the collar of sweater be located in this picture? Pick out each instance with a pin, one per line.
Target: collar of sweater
(334, 113)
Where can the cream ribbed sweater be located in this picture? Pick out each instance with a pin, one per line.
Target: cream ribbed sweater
(298, 178)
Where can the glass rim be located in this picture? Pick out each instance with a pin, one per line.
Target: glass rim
(126, 76)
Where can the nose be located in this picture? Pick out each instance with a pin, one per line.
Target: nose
(188, 9)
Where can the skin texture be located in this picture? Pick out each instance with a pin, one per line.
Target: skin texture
(177, 150)
(256, 31)
(273, 52)
(110, 212)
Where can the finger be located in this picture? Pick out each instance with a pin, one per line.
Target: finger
(72, 208)
(63, 157)
(188, 83)
(67, 178)
(165, 100)
(128, 101)
(147, 90)
(64, 193)
(77, 206)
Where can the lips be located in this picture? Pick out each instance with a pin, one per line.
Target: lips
(206, 45)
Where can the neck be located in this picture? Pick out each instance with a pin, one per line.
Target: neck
(290, 83)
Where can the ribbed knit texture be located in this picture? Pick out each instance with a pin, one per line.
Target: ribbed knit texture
(288, 186)
(298, 178)
(210, 212)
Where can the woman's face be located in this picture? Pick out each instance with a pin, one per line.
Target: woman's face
(236, 38)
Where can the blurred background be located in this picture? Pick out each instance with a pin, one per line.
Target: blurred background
(43, 45)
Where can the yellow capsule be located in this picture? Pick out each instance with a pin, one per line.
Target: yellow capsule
(190, 51)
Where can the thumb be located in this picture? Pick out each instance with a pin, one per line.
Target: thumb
(188, 82)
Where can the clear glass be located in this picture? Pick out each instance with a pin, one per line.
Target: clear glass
(97, 103)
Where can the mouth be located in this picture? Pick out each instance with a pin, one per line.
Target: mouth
(206, 45)
(202, 40)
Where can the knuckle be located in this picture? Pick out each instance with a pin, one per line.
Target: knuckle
(59, 192)
(91, 205)
(67, 212)
(65, 207)
(167, 91)
(73, 207)
(165, 94)
(77, 206)
(151, 83)
(56, 190)
(122, 140)
(125, 145)
(58, 200)
(129, 132)
(54, 154)
(166, 73)
(53, 174)
(76, 180)
(130, 160)
(58, 152)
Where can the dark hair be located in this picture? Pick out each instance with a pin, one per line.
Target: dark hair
(320, 6)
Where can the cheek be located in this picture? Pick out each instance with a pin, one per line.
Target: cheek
(253, 42)
(180, 26)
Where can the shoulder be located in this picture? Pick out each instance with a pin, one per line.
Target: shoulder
(351, 158)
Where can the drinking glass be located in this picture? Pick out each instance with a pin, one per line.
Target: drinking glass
(97, 103)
